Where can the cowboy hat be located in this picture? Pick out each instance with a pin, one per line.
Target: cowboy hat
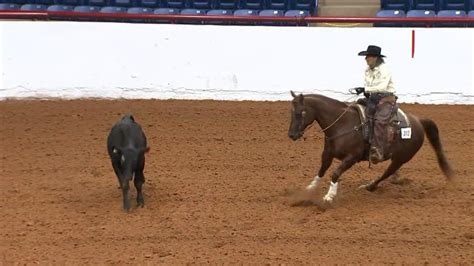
(373, 50)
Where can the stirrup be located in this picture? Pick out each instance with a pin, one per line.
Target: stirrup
(375, 156)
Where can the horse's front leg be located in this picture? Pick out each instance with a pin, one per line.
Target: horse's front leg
(326, 161)
(346, 163)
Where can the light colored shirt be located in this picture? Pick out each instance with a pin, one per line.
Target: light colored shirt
(378, 79)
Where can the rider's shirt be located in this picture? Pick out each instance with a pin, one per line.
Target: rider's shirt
(379, 79)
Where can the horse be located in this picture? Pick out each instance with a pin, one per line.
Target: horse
(345, 141)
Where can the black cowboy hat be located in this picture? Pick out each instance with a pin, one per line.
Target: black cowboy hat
(373, 50)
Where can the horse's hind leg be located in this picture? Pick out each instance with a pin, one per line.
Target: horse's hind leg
(326, 161)
(392, 168)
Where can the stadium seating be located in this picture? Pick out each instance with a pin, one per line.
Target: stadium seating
(451, 13)
(140, 10)
(113, 9)
(9, 6)
(252, 4)
(404, 5)
(69, 2)
(277, 4)
(192, 12)
(201, 4)
(296, 13)
(455, 5)
(271, 13)
(33, 7)
(42, 2)
(166, 11)
(245, 13)
(60, 8)
(306, 5)
(419, 14)
(87, 9)
(218, 12)
(227, 4)
(149, 3)
(18, 2)
(122, 3)
(96, 3)
(390, 14)
(426, 5)
(174, 4)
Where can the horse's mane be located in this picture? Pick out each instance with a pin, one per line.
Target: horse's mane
(331, 101)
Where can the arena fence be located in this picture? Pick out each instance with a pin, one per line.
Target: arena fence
(467, 21)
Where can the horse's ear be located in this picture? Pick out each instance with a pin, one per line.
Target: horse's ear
(301, 98)
(293, 94)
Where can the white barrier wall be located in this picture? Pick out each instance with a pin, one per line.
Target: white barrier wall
(117, 60)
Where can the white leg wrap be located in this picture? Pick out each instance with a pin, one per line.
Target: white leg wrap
(331, 192)
(314, 183)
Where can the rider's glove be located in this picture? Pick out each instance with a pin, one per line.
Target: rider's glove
(359, 90)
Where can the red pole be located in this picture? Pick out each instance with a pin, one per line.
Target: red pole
(412, 43)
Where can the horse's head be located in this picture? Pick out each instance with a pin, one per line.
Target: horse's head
(299, 117)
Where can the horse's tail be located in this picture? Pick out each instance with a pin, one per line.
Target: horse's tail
(432, 133)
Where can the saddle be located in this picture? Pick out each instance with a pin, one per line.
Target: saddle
(398, 127)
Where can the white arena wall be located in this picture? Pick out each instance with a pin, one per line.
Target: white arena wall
(117, 60)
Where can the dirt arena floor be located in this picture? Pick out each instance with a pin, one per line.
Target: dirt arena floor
(223, 185)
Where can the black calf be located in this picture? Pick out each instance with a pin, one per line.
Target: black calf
(126, 145)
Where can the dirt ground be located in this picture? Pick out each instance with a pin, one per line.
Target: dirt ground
(223, 183)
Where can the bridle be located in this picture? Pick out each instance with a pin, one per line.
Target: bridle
(335, 121)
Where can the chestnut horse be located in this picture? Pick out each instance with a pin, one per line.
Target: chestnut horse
(344, 140)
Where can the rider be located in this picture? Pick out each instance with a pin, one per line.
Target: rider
(380, 91)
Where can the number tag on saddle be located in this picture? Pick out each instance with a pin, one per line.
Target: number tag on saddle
(406, 132)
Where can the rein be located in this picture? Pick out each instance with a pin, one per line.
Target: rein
(336, 120)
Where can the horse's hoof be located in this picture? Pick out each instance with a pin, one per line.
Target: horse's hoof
(369, 187)
(328, 199)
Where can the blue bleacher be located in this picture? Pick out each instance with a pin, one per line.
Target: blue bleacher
(218, 12)
(192, 12)
(149, 3)
(389, 14)
(252, 4)
(33, 7)
(309, 5)
(425, 5)
(227, 4)
(96, 3)
(140, 10)
(271, 13)
(122, 3)
(9, 6)
(277, 4)
(404, 5)
(201, 4)
(113, 9)
(451, 13)
(245, 13)
(60, 8)
(419, 14)
(87, 9)
(174, 4)
(69, 2)
(41, 2)
(455, 5)
(296, 13)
